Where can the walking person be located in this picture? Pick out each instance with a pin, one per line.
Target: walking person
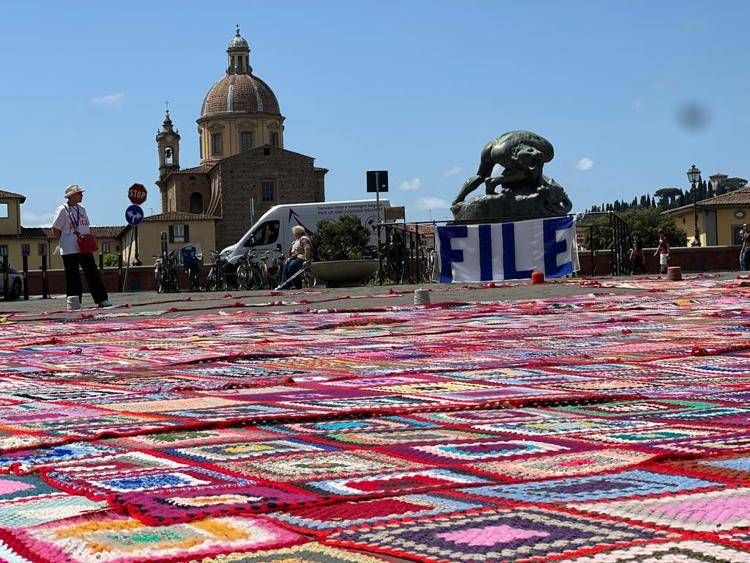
(745, 250)
(72, 227)
(637, 257)
(300, 254)
(663, 252)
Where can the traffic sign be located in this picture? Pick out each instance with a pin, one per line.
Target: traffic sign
(134, 215)
(137, 194)
(377, 181)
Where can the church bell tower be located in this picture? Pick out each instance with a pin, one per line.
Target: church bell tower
(168, 144)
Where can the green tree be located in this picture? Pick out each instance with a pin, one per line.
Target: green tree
(341, 240)
(110, 260)
(648, 222)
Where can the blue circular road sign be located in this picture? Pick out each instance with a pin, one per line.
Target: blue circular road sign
(134, 215)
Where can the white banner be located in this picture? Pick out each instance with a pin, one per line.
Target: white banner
(507, 251)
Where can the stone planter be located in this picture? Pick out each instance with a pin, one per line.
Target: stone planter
(344, 273)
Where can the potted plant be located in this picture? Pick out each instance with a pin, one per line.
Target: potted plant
(339, 246)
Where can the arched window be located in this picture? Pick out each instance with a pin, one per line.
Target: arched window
(169, 156)
(196, 203)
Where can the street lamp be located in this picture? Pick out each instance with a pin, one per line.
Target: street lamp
(694, 175)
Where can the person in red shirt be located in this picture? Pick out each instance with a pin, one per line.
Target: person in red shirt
(662, 251)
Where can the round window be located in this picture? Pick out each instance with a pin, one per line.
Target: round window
(740, 214)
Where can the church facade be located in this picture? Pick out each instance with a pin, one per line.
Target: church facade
(244, 167)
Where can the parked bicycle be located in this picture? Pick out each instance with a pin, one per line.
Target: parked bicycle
(217, 278)
(192, 264)
(271, 268)
(165, 273)
(249, 274)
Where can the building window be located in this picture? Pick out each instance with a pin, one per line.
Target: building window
(3, 249)
(274, 139)
(217, 144)
(178, 233)
(3, 210)
(196, 203)
(200, 144)
(266, 189)
(25, 249)
(105, 247)
(42, 249)
(246, 141)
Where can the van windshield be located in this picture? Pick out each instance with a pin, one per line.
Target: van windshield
(266, 233)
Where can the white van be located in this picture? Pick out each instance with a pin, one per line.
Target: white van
(273, 231)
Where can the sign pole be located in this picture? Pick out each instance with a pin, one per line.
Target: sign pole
(127, 264)
(377, 205)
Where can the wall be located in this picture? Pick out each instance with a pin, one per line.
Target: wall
(11, 225)
(201, 234)
(725, 219)
(182, 186)
(230, 126)
(690, 259)
(139, 279)
(295, 179)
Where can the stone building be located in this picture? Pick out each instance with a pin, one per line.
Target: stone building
(244, 167)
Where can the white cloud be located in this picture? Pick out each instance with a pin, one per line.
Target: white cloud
(452, 171)
(411, 185)
(425, 203)
(31, 219)
(585, 164)
(110, 100)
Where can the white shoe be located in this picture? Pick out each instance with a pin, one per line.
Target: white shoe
(105, 303)
(74, 303)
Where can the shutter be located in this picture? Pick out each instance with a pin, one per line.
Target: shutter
(171, 233)
(187, 233)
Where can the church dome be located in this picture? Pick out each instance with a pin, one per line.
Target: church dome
(240, 93)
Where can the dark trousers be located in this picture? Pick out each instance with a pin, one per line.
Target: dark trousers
(73, 278)
(291, 267)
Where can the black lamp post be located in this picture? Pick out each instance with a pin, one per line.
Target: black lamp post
(694, 175)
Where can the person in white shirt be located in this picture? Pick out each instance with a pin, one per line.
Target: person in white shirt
(70, 221)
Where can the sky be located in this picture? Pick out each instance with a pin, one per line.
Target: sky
(630, 93)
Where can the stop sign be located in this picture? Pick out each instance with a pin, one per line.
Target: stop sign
(137, 194)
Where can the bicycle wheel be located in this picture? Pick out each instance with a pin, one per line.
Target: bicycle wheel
(243, 277)
(256, 277)
(211, 280)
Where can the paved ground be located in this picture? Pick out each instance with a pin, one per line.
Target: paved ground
(187, 303)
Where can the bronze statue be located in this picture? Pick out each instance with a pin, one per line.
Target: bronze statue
(526, 193)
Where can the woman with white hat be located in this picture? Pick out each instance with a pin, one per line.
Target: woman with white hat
(70, 226)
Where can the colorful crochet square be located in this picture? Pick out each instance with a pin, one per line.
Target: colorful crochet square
(711, 511)
(308, 553)
(502, 535)
(123, 539)
(326, 519)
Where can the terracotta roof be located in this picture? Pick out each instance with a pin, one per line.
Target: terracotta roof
(107, 232)
(35, 232)
(201, 169)
(179, 216)
(240, 93)
(737, 198)
(11, 195)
